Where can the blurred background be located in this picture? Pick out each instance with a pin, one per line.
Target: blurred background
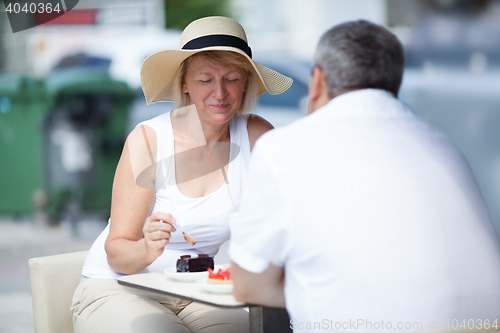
(70, 93)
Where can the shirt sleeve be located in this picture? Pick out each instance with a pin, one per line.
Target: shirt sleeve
(259, 234)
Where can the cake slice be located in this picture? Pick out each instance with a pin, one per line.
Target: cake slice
(196, 264)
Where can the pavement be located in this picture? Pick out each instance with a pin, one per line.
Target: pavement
(22, 239)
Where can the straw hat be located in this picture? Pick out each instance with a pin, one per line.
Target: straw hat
(209, 33)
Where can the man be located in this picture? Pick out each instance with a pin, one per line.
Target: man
(361, 217)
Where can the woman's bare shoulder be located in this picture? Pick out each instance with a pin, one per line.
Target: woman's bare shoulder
(142, 136)
(141, 147)
(257, 126)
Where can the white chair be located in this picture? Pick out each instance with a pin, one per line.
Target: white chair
(53, 282)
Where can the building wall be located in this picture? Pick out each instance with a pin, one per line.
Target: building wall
(35, 50)
(295, 26)
(13, 47)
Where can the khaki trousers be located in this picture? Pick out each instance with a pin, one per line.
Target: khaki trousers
(103, 305)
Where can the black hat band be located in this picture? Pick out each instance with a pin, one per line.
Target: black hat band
(218, 40)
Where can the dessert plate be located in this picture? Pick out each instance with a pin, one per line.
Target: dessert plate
(187, 276)
(215, 288)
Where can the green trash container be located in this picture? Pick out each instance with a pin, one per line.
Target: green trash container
(75, 125)
(22, 109)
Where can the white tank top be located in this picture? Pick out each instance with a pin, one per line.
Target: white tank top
(205, 218)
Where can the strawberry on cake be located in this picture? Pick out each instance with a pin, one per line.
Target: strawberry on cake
(221, 277)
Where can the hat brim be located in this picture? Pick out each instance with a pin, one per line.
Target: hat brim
(159, 70)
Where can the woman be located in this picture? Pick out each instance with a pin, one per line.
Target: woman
(185, 167)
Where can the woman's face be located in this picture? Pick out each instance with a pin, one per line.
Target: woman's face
(217, 92)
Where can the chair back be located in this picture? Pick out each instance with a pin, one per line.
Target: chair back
(53, 282)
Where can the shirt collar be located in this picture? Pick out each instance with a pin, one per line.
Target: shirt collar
(368, 102)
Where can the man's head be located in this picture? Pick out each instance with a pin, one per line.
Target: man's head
(355, 55)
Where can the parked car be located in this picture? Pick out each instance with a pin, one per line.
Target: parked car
(282, 109)
(279, 110)
(127, 53)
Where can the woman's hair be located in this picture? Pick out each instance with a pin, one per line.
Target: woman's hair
(217, 59)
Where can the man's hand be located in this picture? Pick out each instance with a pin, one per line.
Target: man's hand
(265, 288)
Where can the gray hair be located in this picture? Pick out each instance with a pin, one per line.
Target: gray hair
(360, 54)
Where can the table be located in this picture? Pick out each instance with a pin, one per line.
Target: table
(160, 283)
(262, 319)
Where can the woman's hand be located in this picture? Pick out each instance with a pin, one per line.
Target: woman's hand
(157, 232)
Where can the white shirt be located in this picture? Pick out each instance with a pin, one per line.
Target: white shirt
(375, 217)
(205, 218)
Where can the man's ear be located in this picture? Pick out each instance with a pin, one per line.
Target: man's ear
(318, 91)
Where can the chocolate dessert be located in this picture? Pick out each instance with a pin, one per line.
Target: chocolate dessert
(198, 264)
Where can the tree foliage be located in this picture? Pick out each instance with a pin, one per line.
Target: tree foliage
(179, 13)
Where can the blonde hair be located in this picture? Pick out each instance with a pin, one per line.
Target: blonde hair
(219, 58)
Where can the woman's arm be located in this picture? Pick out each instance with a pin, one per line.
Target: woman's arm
(256, 126)
(132, 200)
